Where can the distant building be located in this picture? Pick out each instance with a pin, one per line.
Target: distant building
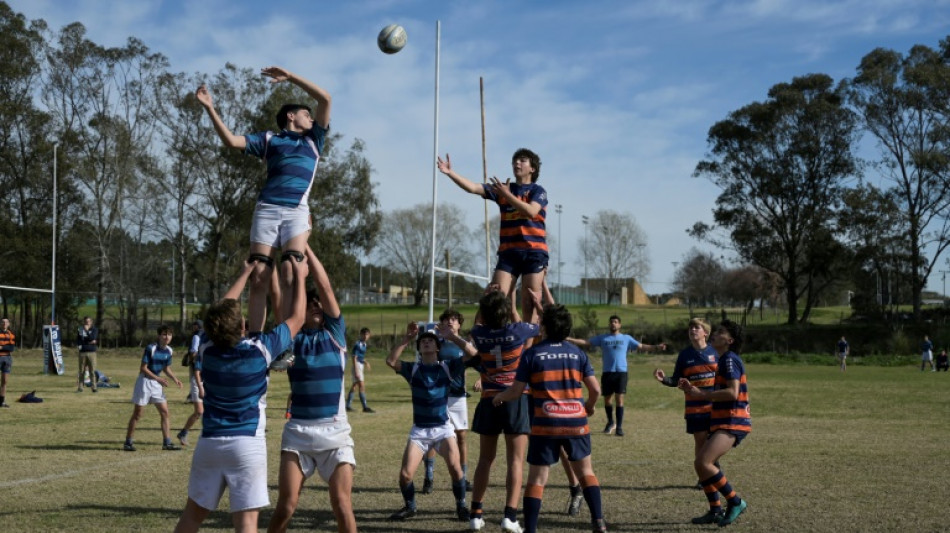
(630, 292)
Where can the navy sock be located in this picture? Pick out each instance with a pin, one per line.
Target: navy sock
(619, 417)
(409, 495)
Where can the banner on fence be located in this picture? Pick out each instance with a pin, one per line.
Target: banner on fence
(52, 350)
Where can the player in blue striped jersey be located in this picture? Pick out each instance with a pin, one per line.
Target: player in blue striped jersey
(282, 216)
(149, 387)
(232, 451)
(317, 438)
(430, 380)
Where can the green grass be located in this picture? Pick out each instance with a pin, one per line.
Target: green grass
(859, 451)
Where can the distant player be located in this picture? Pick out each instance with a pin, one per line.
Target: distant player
(729, 425)
(87, 339)
(522, 248)
(613, 378)
(842, 349)
(360, 366)
(193, 362)
(556, 372)
(282, 216)
(7, 346)
(430, 380)
(149, 388)
(927, 354)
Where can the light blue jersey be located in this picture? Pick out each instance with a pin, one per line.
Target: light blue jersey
(615, 348)
(316, 378)
(235, 383)
(447, 352)
(291, 163)
(359, 351)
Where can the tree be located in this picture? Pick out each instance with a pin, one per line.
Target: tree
(903, 102)
(102, 101)
(699, 279)
(782, 166)
(405, 243)
(615, 250)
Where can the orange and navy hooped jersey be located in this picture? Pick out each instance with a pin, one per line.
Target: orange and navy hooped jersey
(517, 231)
(7, 342)
(731, 415)
(555, 373)
(699, 367)
(499, 351)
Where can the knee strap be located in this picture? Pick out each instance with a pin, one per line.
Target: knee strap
(260, 258)
(286, 256)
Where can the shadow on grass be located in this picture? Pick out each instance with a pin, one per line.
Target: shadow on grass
(217, 519)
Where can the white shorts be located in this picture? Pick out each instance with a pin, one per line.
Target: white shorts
(319, 447)
(194, 390)
(431, 438)
(458, 412)
(236, 463)
(147, 391)
(358, 371)
(274, 225)
(927, 356)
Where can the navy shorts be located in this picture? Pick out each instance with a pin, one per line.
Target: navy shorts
(544, 450)
(510, 418)
(739, 435)
(6, 363)
(521, 262)
(613, 383)
(695, 424)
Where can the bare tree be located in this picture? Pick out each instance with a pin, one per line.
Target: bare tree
(405, 243)
(614, 250)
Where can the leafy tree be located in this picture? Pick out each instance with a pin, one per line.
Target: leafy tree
(405, 243)
(101, 99)
(782, 165)
(903, 102)
(615, 250)
(699, 279)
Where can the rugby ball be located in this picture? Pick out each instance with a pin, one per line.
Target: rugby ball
(392, 39)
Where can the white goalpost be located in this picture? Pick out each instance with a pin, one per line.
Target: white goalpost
(435, 186)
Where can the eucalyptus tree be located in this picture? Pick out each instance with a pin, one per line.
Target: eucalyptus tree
(903, 102)
(783, 166)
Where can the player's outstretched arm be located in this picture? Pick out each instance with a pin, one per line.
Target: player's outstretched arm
(298, 314)
(392, 360)
(467, 185)
(234, 292)
(468, 349)
(321, 282)
(580, 343)
(230, 140)
(321, 115)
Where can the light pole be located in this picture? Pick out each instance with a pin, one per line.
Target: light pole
(585, 220)
(558, 208)
(944, 272)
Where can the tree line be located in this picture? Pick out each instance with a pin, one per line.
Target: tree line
(802, 202)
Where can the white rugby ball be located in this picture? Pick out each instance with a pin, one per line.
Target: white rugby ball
(392, 39)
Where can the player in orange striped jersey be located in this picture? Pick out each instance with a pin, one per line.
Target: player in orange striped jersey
(522, 244)
(697, 363)
(730, 422)
(498, 339)
(557, 372)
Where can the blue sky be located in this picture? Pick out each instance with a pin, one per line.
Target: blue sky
(615, 96)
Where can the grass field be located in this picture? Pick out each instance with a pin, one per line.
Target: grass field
(860, 451)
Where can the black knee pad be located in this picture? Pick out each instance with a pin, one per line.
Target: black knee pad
(292, 254)
(260, 258)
